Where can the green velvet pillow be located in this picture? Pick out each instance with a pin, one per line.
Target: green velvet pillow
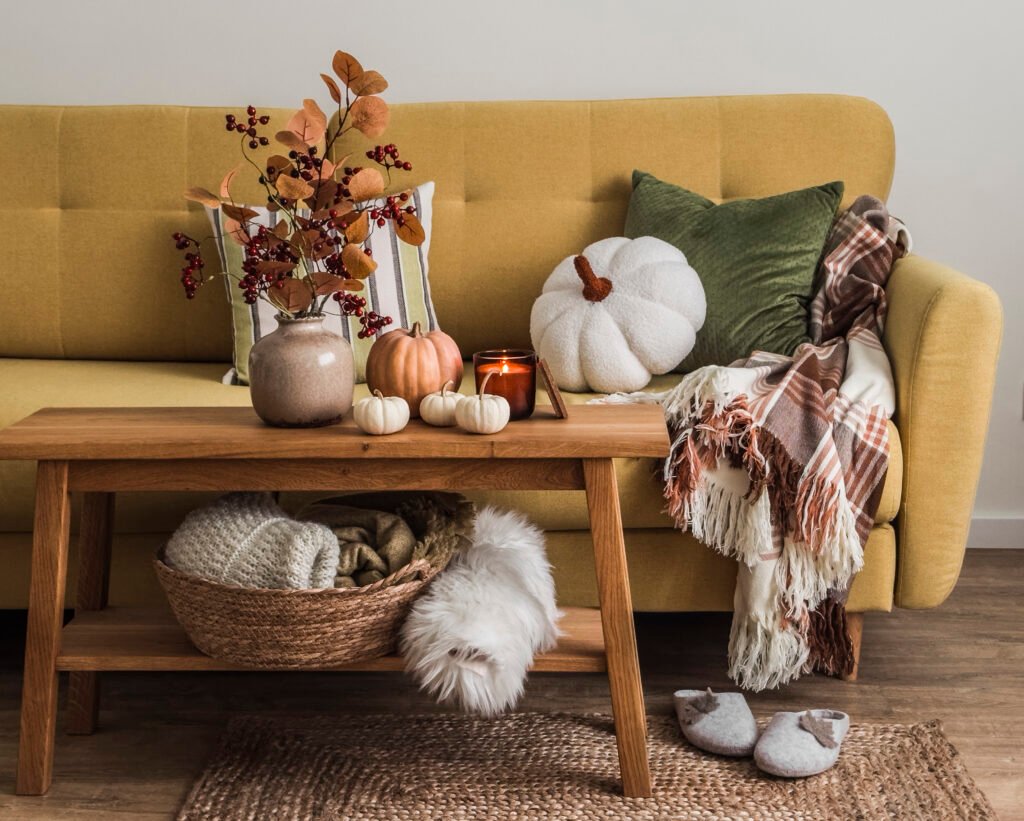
(756, 259)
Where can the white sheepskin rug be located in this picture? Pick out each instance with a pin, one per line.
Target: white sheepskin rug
(470, 639)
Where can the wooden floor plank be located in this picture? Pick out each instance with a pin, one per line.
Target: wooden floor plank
(961, 663)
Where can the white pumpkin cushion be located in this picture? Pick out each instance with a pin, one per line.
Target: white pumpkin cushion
(617, 314)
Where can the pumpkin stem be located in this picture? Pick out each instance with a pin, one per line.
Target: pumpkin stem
(378, 394)
(595, 288)
(416, 331)
(444, 387)
(483, 385)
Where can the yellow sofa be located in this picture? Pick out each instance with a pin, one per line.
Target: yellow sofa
(93, 313)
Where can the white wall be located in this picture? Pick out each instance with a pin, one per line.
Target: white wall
(949, 75)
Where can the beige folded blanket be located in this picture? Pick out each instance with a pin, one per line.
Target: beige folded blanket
(372, 544)
(379, 533)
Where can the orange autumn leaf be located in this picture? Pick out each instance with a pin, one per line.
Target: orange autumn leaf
(201, 195)
(356, 262)
(332, 87)
(359, 229)
(291, 140)
(237, 212)
(276, 164)
(325, 283)
(410, 230)
(341, 214)
(273, 266)
(323, 196)
(346, 67)
(233, 228)
(225, 184)
(293, 188)
(366, 184)
(290, 295)
(304, 239)
(369, 82)
(309, 123)
(343, 211)
(370, 115)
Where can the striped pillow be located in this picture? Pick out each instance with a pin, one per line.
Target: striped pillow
(398, 288)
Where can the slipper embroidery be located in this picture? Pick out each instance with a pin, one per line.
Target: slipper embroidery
(697, 707)
(820, 728)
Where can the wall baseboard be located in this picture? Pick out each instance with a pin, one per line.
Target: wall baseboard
(996, 532)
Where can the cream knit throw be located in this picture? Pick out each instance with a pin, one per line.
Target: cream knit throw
(246, 539)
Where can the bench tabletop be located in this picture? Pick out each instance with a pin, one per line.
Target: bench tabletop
(72, 434)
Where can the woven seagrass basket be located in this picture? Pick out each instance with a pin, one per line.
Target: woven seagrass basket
(293, 629)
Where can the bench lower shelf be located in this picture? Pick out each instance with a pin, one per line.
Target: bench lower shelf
(151, 640)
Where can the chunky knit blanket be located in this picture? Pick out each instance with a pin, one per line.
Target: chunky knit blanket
(247, 540)
(779, 461)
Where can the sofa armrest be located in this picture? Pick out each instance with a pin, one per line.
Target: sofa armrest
(942, 334)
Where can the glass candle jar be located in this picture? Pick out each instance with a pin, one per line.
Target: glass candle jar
(515, 378)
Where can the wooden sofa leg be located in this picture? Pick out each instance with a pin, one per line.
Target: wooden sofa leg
(855, 624)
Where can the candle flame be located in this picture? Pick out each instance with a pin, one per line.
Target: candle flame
(504, 368)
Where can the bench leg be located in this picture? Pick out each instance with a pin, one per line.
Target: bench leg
(617, 623)
(94, 540)
(45, 620)
(855, 624)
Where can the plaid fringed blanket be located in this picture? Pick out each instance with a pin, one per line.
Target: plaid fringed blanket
(779, 461)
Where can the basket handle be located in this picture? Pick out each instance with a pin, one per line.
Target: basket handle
(420, 568)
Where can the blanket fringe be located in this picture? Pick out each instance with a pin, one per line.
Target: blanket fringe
(713, 427)
(763, 656)
(634, 398)
(828, 637)
(806, 576)
(730, 523)
(689, 399)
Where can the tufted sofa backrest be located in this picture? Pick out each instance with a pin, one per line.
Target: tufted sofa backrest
(94, 193)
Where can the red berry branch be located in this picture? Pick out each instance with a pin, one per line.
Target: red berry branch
(249, 127)
(325, 210)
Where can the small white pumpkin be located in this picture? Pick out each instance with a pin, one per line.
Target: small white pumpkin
(438, 408)
(635, 314)
(380, 414)
(483, 413)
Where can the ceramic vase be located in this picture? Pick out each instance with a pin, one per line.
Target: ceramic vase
(301, 375)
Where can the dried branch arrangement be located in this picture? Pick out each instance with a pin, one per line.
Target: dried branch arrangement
(328, 209)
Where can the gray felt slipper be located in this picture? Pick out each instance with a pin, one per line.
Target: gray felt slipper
(795, 745)
(716, 722)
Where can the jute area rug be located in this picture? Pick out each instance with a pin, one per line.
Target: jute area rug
(557, 766)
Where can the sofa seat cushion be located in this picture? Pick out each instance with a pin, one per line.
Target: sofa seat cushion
(668, 571)
(37, 383)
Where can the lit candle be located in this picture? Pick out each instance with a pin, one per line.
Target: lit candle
(515, 378)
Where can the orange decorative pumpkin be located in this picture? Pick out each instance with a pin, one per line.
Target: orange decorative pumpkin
(411, 364)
